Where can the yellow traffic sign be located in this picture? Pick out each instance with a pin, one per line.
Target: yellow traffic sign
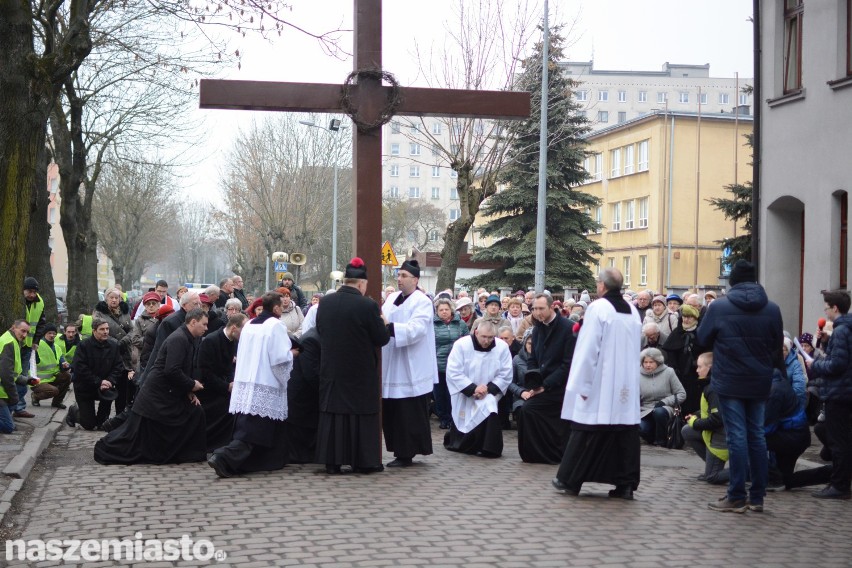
(388, 256)
(279, 276)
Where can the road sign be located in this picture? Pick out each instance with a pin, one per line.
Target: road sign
(388, 256)
(279, 276)
(280, 267)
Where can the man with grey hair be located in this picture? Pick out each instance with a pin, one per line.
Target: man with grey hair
(602, 396)
(651, 335)
(237, 282)
(226, 288)
(643, 303)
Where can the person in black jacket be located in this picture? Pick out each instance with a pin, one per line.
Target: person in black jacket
(217, 360)
(786, 426)
(303, 399)
(542, 434)
(296, 293)
(97, 367)
(166, 423)
(351, 328)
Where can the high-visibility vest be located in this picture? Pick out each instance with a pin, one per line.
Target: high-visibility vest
(86, 327)
(34, 312)
(5, 339)
(48, 361)
(68, 353)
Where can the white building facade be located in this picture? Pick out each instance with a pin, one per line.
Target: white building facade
(805, 169)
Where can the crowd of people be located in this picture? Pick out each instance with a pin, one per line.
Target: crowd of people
(252, 384)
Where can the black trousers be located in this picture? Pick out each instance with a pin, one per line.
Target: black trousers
(788, 446)
(838, 417)
(87, 416)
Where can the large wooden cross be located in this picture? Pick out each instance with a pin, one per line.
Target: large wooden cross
(369, 97)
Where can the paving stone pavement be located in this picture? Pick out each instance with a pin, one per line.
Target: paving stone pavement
(449, 510)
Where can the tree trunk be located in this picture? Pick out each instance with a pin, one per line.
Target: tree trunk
(22, 135)
(38, 248)
(453, 241)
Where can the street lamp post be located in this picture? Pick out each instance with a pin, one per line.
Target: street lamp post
(334, 126)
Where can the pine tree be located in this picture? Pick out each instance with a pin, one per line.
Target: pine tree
(737, 208)
(568, 252)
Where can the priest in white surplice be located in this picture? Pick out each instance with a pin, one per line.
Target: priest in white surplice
(259, 396)
(602, 396)
(479, 371)
(409, 368)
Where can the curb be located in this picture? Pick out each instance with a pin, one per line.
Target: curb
(22, 464)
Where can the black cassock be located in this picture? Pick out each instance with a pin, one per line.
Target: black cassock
(163, 426)
(217, 364)
(303, 400)
(351, 330)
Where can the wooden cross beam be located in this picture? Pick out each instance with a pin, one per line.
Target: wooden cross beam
(368, 97)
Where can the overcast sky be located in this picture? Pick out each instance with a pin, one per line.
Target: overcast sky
(617, 34)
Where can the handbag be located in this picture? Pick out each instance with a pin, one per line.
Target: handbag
(674, 434)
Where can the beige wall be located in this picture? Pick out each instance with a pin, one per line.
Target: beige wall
(721, 139)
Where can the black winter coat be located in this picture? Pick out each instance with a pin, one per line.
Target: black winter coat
(120, 327)
(351, 330)
(94, 362)
(164, 330)
(745, 332)
(303, 386)
(164, 396)
(148, 341)
(834, 370)
(552, 351)
(216, 361)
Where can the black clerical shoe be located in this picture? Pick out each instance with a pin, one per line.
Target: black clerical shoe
(444, 425)
(215, 462)
(71, 417)
(332, 469)
(625, 492)
(369, 470)
(58, 405)
(563, 488)
(401, 462)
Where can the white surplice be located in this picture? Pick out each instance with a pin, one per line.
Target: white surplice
(605, 368)
(466, 365)
(264, 362)
(409, 361)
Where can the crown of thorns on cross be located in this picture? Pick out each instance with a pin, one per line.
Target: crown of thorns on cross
(387, 112)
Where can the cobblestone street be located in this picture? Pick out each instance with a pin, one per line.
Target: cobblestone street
(448, 510)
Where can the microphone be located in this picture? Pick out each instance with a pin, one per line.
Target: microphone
(821, 323)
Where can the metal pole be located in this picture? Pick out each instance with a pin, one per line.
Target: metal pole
(266, 278)
(542, 163)
(757, 146)
(334, 220)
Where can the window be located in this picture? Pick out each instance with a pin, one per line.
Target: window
(394, 192)
(394, 149)
(603, 116)
(436, 193)
(622, 116)
(643, 270)
(54, 184)
(415, 127)
(643, 96)
(684, 97)
(643, 156)
(454, 174)
(724, 99)
(436, 128)
(414, 192)
(643, 213)
(628, 159)
(582, 95)
(51, 215)
(599, 218)
(662, 97)
(616, 217)
(702, 100)
(615, 163)
(628, 214)
(436, 171)
(394, 170)
(597, 166)
(603, 96)
(433, 235)
(414, 149)
(435, 150)
(457, 128)
(395, 127)
(622, 96)
(610, 261)
(743, 99)
(414, 171)
(455, 214)
(844, 237)
(411, 235)
(626, 270)
(792, 56)
(454, 193)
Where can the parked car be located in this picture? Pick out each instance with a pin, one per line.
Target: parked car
(63, 312)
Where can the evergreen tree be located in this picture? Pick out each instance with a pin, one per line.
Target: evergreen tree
(568, 252)
(737, 208)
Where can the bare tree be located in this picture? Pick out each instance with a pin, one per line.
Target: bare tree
(411, 223)
(277, 194)
(192, 224)
(132, 205)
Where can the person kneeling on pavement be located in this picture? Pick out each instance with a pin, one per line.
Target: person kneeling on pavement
(11, 373)
(659, 391)
(786, 427)
(705, 433)
(52, 369)
(96, 370)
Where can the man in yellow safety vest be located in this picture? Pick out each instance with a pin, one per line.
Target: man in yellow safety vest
(52, 370)
(13, 379)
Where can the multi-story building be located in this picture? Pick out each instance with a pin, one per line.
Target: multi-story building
(654, 175)
(614, 97)
(805, 170)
